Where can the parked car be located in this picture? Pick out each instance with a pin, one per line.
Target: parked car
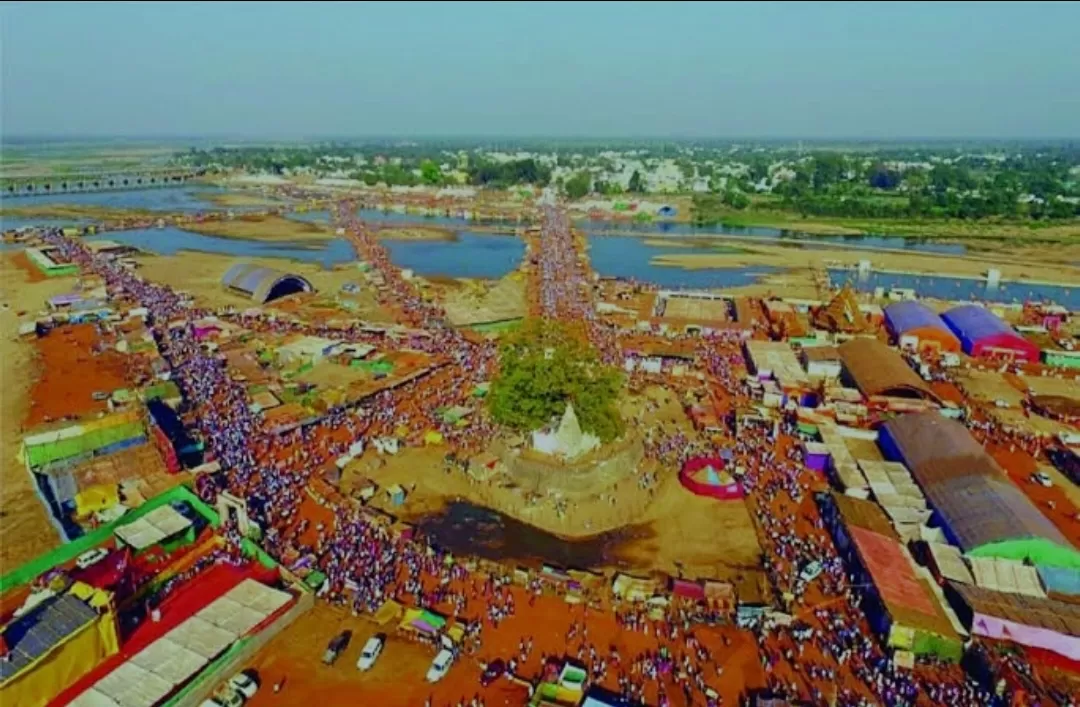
(371, 651)
(440, 666)
(1042, 479)
(811, 571)
(246, 683)
(91, 557)
(336, 647)
(226, 696)
(492, 672)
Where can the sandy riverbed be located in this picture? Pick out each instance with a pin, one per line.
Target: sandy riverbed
(24, 525)
(264, 228)
(1036, 263)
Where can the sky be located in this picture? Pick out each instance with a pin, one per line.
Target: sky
(618, 69)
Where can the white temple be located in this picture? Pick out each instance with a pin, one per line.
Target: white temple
(566, 441)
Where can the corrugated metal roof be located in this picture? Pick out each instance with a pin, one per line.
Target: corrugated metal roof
(980, 510)
(878, 370)
(964, 484)
(902, 317)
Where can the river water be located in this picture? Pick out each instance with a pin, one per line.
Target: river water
(479, 255)
(185, 198)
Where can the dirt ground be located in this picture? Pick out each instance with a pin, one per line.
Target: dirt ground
(25, 530)
(398, 675)
(200, 275)
(416, 233)
(477, 302)
(241, 198)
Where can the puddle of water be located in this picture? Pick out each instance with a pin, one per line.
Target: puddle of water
(466, 529)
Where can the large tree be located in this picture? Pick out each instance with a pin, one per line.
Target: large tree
(543, 367)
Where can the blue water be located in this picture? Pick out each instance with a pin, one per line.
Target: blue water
(629, 257)
(952, 288)
(689, 230)
(185, 198)
(474, 255)
(167, 241)
(676, 229)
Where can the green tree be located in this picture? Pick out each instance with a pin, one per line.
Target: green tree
(736, 199)
(637, 184)
(430, 173)
(542, 368)
(578, 185)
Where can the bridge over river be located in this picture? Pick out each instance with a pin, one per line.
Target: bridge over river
(95, 181)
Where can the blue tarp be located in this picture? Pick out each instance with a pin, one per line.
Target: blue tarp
(902, 317)
(1060, 580)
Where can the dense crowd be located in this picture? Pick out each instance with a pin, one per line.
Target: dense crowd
(825, 654)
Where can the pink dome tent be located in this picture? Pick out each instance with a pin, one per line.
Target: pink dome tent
(706, 476)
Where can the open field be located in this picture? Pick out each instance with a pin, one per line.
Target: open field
(477, 302)
(200, 274)
(25, 530)
(417, 233)
(271, 229)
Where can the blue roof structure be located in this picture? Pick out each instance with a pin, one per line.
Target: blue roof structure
(971, 322)
(905, 316)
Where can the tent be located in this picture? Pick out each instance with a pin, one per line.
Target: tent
(706, 476)
(432, 437)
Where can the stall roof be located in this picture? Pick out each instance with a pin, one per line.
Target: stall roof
(1050, 614)
(879, 370)
(950, 562)
(1007, 576)
(41, 629)
(157, 525)
(907, 598)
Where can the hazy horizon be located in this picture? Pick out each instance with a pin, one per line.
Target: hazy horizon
(560, 71)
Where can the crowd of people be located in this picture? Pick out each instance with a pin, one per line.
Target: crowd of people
(826, 654)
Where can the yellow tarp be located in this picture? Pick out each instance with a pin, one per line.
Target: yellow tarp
(389, 611)
(433, 437)
(96, 498)
(70, 659)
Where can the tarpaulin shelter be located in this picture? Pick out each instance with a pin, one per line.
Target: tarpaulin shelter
(95, 499)
(980, 510)
(421, 621)
(634, 588)
(707, 476)
(55, 643)
(899, 605)
(914, 319)
(75, 442)
(433, 437)
(982, 333)
(1060, 580)
(1038, 623)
